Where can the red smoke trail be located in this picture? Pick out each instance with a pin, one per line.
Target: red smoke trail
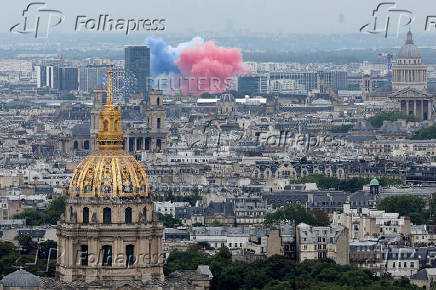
(209, 66)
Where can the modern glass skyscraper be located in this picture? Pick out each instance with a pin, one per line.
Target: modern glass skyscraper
(137, 65)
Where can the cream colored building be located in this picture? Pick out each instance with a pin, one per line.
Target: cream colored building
(371, 223)
(318, 243)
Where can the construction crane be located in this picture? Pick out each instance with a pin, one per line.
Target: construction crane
(388, 57)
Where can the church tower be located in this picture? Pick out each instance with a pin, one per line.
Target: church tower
(99, 100)
(109, 233)
(156, 122)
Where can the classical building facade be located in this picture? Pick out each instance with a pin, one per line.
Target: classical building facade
(415, 102)
(409, 82)
(109, 233)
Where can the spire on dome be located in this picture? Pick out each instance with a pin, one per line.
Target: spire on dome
(110, 135)
(409, 37)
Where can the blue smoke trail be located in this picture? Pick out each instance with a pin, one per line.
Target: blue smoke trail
(162, 57)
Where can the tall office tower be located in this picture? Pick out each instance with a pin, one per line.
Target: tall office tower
(61, 78)
(137, 65)
(253, 83)
(68, 78)
(47, 76)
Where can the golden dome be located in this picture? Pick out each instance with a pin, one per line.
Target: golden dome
(109, 171)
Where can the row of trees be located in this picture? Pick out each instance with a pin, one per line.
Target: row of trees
(411, 206)
(298, 214)
(377, 120)
(426, 133)
(30, 255)
(279, 272)
(350, 185)
(51, 215)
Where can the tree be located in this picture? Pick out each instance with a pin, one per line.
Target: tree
(6, 248)
(187, 260)
(289, 213)
(44, 249)
(26, 243)
(377, 120)
(169, 221)
(216, 223)
(51, 215)
(224, 253)
(406, 205)
(279, 272)
(426, 133)
(341, 128)
(321, 217)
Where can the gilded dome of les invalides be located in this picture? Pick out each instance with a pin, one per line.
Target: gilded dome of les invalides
(109, 171)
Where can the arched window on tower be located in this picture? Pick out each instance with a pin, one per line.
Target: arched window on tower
(128, 215)
(158, 123)
(86, 145)
(158, 101)
(76, 145)
(107, 215)
(85, 215)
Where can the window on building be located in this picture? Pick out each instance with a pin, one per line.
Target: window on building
(107, 255)
(129, 255)
(85, 215)
(144, 213)
(84, 255)
(158, 123)
(158, 101)
(107, 215)
(128, 215)
(71, 213)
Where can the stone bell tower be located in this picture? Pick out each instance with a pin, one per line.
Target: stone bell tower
(156, 122)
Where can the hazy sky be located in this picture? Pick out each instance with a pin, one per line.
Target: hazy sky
(257, 16)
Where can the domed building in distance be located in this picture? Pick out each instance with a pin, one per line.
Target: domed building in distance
(109, 233)
(409, 82)
(409, 71)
